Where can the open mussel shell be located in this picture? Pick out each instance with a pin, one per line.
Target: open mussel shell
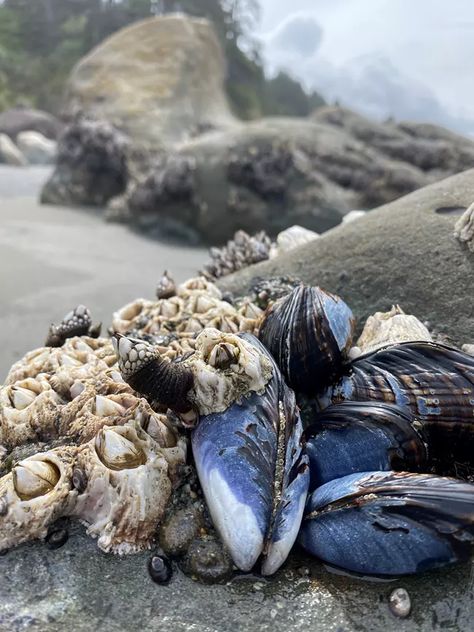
(254, 473)
(361, 437)
(309, 333)
(390, 523)
(433, 382)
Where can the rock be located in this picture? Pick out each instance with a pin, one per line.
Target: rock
(9, 152)
(403, 252)
(77, 587)
(91, 165)
(38, 149)
(266, 175)
(427, 147)
(21, 119)
(159, 80)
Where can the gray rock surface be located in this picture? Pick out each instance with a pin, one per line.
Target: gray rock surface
(267, 174)
(160, 80)
(404, 252)
(429, 147)
(79, 588)
(21, 119)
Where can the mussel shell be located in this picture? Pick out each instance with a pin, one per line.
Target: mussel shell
(389, 523)
(433, 382)
(247, 457)
(309, 333)
(361, 437)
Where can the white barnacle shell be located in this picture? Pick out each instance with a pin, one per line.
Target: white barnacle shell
(464, 228)
(290, 238)
(42, 360)
(225, 368)
(385, 328)
(100, 403)
(469, 349)
(125, 318)
(199, 285)
(37, 492)
(28, 411)
(129, 479)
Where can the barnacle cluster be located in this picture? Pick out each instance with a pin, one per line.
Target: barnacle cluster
(183, 429)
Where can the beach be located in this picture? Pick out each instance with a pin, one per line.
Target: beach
(55, 258)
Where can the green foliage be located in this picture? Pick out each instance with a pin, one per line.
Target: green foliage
(41, 40)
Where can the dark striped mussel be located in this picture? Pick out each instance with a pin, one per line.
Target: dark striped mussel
(309, 333)
(361, 437)
(390, 523)
(432, 382)
(247, 438)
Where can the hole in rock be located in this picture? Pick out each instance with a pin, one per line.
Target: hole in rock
(450, 210)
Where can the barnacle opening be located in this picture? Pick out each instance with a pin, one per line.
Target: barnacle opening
(117, 449)
(34, 478)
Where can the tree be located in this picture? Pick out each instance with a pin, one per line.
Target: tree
(41, 40)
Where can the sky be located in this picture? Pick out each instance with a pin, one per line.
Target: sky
(411, 59)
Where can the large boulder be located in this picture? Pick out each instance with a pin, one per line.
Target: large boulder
(428, 147)
(10, 154)
(22, 119)
(159, 80)
(404, 252)
(37, 149)
(267, 174)
(91, 166)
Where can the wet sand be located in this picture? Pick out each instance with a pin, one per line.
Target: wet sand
(53, 258)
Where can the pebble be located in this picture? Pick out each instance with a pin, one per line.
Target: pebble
(400, 603)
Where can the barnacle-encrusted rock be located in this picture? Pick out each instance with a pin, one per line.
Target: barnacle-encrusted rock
(28, 411)
(241, 251)
(34, 494)
(91, 165)
(173, 323)
(128, 486)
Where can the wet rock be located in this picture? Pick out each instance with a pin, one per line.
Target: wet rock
(91, 165)
(22, 119)
(160, 80)
(9, 152)
(403, 252)
(179, 530)
(208, 561)
(37, 149)
(427, 147)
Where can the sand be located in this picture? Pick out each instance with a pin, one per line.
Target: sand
(53, 258)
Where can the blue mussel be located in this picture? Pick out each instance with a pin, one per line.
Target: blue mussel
(364, 484)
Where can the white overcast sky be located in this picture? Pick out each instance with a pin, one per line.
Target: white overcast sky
(407, 58)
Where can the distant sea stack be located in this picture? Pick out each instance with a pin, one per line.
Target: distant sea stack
(173, 159)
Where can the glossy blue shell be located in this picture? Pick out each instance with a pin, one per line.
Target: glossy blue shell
(237, 458)
(360, 437)
(388, 523)
(309, 333)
